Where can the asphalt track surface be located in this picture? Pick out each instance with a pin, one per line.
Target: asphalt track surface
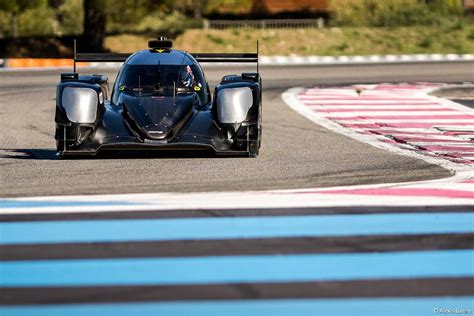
(296, 153)
(228, 261)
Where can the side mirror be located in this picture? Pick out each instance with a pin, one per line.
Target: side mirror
(104, 85)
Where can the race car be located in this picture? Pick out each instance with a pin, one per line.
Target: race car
(160, 101)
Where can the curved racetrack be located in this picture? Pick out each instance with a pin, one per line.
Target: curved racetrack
(295, 153)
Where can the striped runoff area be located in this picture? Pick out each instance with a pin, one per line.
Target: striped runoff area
(402, 118)
(312, 260)
(403, 115)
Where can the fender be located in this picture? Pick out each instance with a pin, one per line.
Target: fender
(237, 100)
(79, 107)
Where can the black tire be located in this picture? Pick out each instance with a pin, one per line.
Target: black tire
(254, 146)
(59, 139)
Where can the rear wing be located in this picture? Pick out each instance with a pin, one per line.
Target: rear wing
(226, 58)
(98, 57)
(200, 57)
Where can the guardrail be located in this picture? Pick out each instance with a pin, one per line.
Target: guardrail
(264, 24)
(32, 63)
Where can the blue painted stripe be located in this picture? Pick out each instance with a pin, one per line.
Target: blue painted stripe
(229, 269)
(284, 307)
(234, 227)
(9, 203)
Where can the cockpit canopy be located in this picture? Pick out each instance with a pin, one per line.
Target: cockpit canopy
(158, 72)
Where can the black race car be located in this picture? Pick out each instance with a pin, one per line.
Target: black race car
(160, 101)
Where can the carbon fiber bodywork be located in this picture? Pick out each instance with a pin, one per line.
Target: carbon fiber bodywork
(164, 118)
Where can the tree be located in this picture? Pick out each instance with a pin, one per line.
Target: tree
(94, 25)
(15, 7)
(193, 8)
(199, 6)
(56, 4)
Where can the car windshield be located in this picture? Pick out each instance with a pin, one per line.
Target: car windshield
(155, 79)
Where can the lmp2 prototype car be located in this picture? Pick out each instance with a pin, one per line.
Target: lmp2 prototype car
(160, 101)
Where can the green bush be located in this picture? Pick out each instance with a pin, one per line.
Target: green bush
(446, 7)
(215, 39)
(71, 16)
(172, 24)
(227, 6)
(5, 24)
(394, 12)
(39, 21)
(470, 36)
(157, 23)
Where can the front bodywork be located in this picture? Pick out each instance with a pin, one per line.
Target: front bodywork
(151, 108)
(118, 130)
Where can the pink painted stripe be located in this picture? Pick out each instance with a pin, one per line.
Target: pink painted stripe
(457, 194)
(376, 96)
(367, 94)
(427, 139)
(338, 95)
(459, 133)
(401, 132)
(383, 110)
(468, 181)
(371, 132)
(367, 98)
(403, 117)
(353, 96)
(314, 103)
(378, 90)
(406, 125)
(459, 154)
(362, 102)
(450, 148)
(406, 87)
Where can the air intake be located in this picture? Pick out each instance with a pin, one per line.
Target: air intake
(160, 43)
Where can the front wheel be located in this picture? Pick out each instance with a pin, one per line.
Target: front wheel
(255, 136)
(254, 148)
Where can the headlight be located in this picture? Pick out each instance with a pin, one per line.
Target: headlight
(80, 104)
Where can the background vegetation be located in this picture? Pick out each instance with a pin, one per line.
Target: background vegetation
(327, 41)
(46, 27)
(19, 18)
(395, 12)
